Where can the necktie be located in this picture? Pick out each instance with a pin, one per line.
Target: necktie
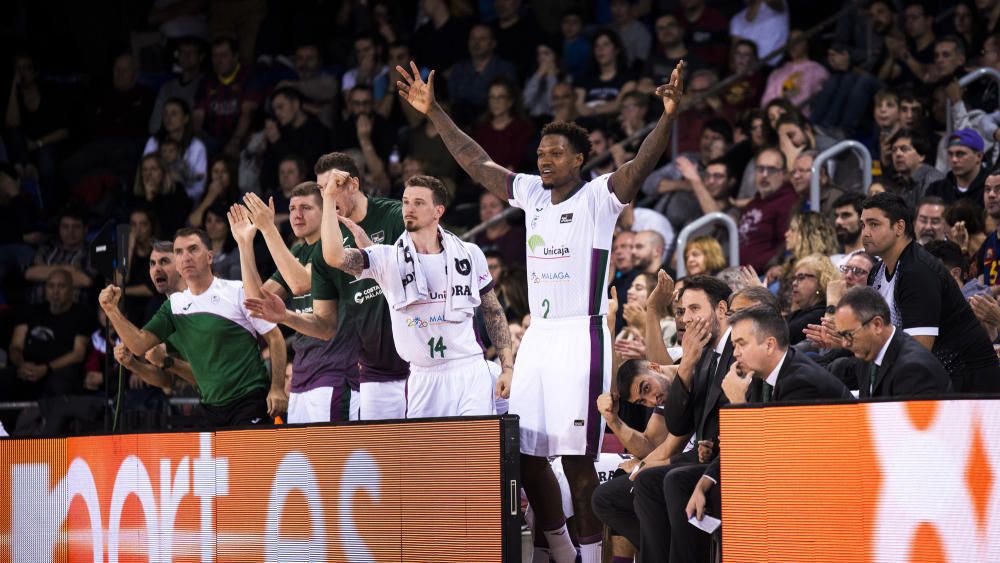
(872, 372)
(767, 392)
(713, 365)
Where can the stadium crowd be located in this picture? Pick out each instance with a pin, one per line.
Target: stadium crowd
(204, 124)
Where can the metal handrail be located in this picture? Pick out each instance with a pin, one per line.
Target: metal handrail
(714, 217)
(972, 76)
(821, 158)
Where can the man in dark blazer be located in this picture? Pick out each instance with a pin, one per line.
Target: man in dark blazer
(890, 363)
(760, 346)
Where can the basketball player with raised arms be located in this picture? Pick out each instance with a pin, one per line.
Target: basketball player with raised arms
(433, 283)
(564, 361)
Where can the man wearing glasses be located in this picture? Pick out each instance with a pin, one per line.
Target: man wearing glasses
(765, 219)
(856, 269)
(891, 363)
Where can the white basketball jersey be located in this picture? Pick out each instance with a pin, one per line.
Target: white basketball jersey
(568, 245)
(423, 336)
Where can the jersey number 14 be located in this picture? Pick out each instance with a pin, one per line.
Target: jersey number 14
(436, 346)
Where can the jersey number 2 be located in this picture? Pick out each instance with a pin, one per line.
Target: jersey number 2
(546, 304)
(437, 346)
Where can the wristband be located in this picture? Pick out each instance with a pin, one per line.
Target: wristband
(168, 362)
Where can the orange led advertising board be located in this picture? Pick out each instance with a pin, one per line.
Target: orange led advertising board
(386, 492)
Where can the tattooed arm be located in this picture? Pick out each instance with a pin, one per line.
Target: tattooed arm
(628, 179)
(499, 333)
(468, 153)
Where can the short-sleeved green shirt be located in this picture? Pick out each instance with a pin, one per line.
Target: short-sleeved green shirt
(218, 337)
(361, 301)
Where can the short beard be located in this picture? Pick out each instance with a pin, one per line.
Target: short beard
(547, 186)
(847, 237)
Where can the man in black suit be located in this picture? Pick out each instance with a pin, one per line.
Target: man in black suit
(760, 345)
(692, 407)
(890, 362)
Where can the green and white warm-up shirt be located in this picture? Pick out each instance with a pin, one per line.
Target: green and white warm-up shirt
(218, 337)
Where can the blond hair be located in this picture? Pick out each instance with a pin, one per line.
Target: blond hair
(714, 260)
(820, 266)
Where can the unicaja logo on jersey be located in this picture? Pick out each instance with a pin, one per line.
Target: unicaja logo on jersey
(540, 250)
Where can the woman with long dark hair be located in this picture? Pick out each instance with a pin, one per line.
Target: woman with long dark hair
(503, 130)
(599, 93)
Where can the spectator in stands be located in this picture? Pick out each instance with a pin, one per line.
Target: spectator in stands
(923, 299)
(711, 188)
(225, 254)
(291, 132)
(576, 47)
(886, 114)
(967, 226)
(600, 146)
(912, 175)
(424, 144)
(950, 255)
(49, 344)
(539, 87)
(648, 251)
(503, 130)
(809, 281)
(599, 93)
(625, 272)
(37, 124)
(912, 110)
(847, 222)
(892, 363)
(640, 219)
(292, 171)
(986, 263)
(697, 109)
(949, 60)
(799, 79)
(516, 36)
(505, 237)
(669, 190)
(765, 22)
(391, 106)
(222, 189)
(668, 51)
(155, 188)
(968, 25)
(360, 119)
(120, 120)
(764, 220)
(706, 31)
(435, 42)
(630, 341)
(795, 134)
(703, 256)
(564, 103)
(930, 224)
(744, 93)
(189, 56)
(469, 82)
(177, 127)
(632, 119)
(69, 253)
(855, 269)
(138, 285)
(968, 175)
(319, 89)
(226, 101)
(801, 179)
(635, 37)
(19, 233)
(370, 69)
(915, 54)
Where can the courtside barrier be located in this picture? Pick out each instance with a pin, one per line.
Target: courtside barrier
(864, 482)
(424, 490)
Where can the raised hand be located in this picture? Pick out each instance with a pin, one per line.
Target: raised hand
(337, 179)
(240, 225)
(673, 92)
(269, 307)
(361, 239)
(662, 295)
(414, 90)
(109, 298)
(261, 215)
(750, 277)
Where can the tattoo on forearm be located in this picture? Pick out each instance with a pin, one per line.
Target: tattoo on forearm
(496, 328)
(472, 157)
(353, 262)
(631, 174)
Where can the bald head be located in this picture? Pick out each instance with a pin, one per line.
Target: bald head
(647, 251)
